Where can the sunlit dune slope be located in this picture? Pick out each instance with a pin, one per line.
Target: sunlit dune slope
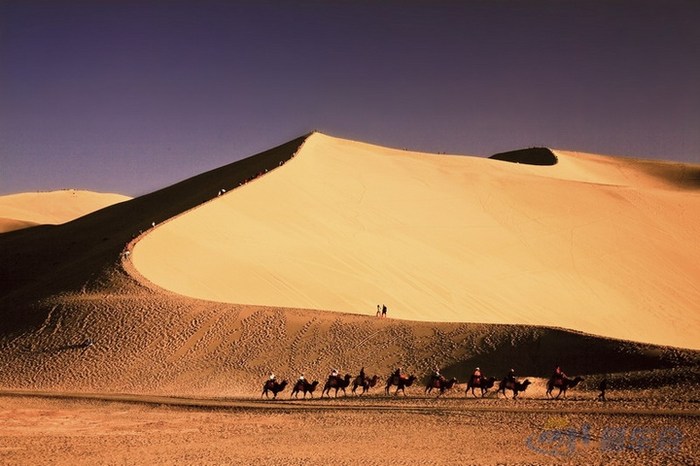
(598, 244)
(28, 209)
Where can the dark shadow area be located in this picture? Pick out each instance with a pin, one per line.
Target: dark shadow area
(684, 176)
(83, 345)
(537, 352)
(532, 156)
(45, 260)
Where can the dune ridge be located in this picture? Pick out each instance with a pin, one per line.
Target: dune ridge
(591, 243)
(24, 210)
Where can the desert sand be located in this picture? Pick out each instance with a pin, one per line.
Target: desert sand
(597, 244)
(350, 431)
(24, 210)
(106, 359)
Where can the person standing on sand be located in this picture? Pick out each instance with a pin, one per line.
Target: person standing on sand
(379, 310)
(384, 309)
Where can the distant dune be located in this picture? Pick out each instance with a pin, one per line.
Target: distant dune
(24, 210)
(598, 244)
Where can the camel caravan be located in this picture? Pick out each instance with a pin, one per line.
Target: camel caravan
(436, 381)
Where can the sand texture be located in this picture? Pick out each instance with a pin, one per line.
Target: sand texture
(142, 333)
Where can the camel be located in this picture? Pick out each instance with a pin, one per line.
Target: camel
(516, 387)
(305, 387)
(337, 383)
(565, 384)
(365, 383)
(274, 387)
(483, 383)
(401, 383)
(441, 384)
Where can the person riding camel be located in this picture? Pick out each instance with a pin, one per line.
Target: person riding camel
(301, 378)
(437, 375)
(558, 377)
(510, 378)
(476, 376)
(398, 374)
(334, 373)
(362, 375)
(271, 380)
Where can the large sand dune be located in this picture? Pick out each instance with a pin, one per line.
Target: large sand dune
(343, 226)
(599, 244)
(24, 210)
(64, 285)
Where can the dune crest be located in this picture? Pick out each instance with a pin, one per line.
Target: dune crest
(596, 244)
(25, 210)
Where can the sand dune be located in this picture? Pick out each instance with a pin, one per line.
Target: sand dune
(63, 285)
(590, 242)
(598, 244)
(24, 210)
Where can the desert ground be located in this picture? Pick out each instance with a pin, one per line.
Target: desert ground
(142, 333)
(370, 430)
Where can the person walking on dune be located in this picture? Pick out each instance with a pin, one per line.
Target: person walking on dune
(384, 309)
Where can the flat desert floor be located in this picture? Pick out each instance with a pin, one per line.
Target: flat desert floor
(113, 429)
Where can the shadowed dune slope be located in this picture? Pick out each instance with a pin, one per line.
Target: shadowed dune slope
(24, 210)
(599, 244)
(533, 156)
(81, 255)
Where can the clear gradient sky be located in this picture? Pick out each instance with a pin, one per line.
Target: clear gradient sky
(130, 96)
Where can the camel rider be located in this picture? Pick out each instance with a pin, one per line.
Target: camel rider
(437, 375)
(476, 376)
(362, 375)
(558, 377)
(398, 374)
(511, 376)
(301, 378)
(272, 378)
(334, 373)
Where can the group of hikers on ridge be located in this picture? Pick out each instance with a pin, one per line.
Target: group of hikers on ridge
(477, 380)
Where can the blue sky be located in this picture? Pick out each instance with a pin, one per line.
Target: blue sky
(131, 96)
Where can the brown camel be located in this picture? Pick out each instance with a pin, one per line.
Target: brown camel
(516, 387)
(337, 383)
(365, 383)
(441, 384)
(483, 383)
(563, 385)
(401, 383)
(274, 387)
(305, 387)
